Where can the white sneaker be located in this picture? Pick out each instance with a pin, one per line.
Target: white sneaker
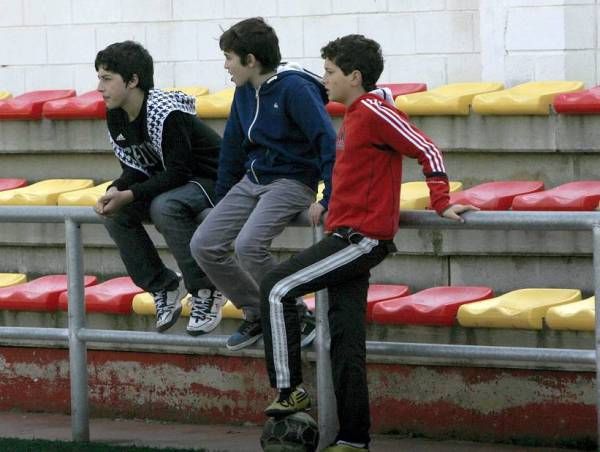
(206, 311)
(168, 306)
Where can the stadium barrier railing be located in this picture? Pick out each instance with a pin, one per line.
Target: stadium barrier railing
(77, 335)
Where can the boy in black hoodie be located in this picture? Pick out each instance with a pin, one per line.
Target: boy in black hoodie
(168, 159)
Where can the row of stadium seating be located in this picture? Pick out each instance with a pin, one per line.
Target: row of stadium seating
(470, 306)
(498, 195)
(485, 98)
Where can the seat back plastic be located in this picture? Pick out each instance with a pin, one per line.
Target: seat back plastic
(524, 308)
(532, 98)
(576, 316)
(572, 196)
(40, 294)
(415, 195)
(496, 195)
(42, 193)
(215, 105)
(114, 296)
(434, 306)
(89, 105)
(578, 103)
(451, 99)
(29, 106)
(84, 197)
(11, 183)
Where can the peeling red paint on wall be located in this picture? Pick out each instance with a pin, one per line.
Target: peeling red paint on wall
(438, 401)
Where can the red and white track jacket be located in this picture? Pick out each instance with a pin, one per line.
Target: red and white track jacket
(368, 168)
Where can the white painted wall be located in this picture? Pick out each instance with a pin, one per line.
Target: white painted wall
(52, 43)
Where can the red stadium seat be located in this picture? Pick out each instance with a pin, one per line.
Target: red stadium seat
(578, 103)
(41, 294)
(398, 89)
(29, 105)
(377, 293)
(495, 195)
(86, 106)
(111, 297)
(10, 183)
(580, 195)
(434, 306)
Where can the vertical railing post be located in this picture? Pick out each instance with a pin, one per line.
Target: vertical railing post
(80, 426)
(325, 393)
(596, 268)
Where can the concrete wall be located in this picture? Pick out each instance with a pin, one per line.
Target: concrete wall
(555, 149)
(507, 405)
(53, 42)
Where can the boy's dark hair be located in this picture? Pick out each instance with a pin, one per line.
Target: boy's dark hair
(127, 58)
(355, 52)
(253, 36)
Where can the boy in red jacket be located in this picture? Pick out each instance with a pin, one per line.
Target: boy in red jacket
(361, 224)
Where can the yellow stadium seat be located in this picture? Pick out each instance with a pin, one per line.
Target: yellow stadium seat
(5, 95)
(415, 195)
(194, 91)
(231, 312)
(320, 190)
(524, 308)
(532, 98)
(85, 197)
(44, 193)
(216, 105)
(11, 279)
(451, 99)
(143, 303)
(579, 316)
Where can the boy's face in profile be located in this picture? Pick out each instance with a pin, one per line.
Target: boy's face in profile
(113, 88)
(240, 74)
(337, 84)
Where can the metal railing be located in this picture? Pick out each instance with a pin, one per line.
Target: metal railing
(77, 335)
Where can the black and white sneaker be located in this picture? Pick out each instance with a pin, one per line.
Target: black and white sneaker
(168, 306)
(206, 311)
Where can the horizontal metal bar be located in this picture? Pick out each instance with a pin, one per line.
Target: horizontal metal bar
(473, 352)
(24, 332)
(150, 338)
(509, 220)
(47, 214)
(506, 220)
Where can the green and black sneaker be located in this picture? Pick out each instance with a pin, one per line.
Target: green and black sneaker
(297, 400)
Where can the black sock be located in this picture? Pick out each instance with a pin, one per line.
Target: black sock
(285, 393)
(173, 285)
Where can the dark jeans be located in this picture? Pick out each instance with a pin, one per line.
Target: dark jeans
(343, 267)
(173, 214)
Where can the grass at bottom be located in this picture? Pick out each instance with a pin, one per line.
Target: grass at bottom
(39, 445)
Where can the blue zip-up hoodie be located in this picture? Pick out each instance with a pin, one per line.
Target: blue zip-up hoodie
(280, 130)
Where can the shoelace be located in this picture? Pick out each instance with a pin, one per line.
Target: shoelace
(246, 327)
(200, 307)
(160, 299)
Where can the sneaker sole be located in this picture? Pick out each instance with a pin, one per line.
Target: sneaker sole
(170, 323)
(283, 413)
(243, 344)
(308, 339)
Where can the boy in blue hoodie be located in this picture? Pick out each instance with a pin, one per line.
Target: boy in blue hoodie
(278, 144)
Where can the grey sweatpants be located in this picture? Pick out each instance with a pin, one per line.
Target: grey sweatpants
(250, 216)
